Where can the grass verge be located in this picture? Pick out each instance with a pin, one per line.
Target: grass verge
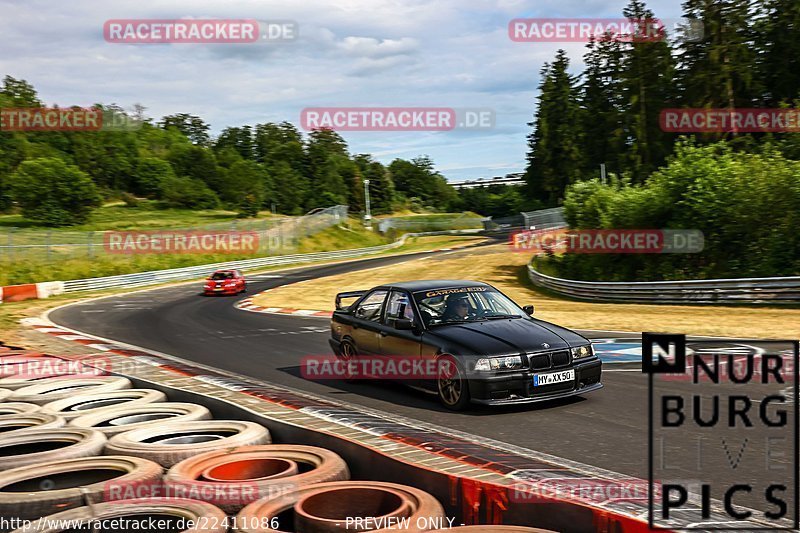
(11, 313)
(61, 262)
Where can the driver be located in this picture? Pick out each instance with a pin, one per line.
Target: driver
(456, 308)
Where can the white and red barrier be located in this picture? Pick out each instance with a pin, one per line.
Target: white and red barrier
(31, 291)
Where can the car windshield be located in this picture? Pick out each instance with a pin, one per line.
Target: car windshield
(465, 304)
(221, 275)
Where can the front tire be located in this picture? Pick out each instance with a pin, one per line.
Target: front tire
(347, 353)
(452, 386)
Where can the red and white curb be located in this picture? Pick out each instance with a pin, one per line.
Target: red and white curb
(248, 305)
(45, 326)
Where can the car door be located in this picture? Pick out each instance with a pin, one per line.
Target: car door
(396, 342)
(367, 326)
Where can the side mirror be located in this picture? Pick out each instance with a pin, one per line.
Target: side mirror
(403, 324)
(528, 310)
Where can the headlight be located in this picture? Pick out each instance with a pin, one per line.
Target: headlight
(580, 352)
(511, 362)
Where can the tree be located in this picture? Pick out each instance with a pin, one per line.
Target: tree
(554, 154)
(331, 184)
(280, 148)
(238, 139)
(718, 69)
(775, 42)
(325, 156)
(244, 187)
(418, 179)
(603, 107)
(191, 126)
(279, 142)
(290, 188)
(53, 193)
(20, 93)
(108, 157)
(195, 162)
(493, 200)
(148, 176)
(381, 186)
(646, 80)
(157, 142)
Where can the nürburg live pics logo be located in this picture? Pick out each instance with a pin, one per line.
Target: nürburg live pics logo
(723, 433)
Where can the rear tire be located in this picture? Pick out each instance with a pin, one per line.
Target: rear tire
(452, 386)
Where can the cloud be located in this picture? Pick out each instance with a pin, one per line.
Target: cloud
(381, 53)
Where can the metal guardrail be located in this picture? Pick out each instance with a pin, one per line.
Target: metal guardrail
(530, 220)
(785, 290)
(194, 272)
(545, 218)
(425, 223)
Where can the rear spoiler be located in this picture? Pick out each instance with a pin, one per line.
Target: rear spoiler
(343, 295)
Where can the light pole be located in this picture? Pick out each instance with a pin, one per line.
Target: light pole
(367, 215)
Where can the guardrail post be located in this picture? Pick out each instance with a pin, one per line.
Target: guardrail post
(90, 245)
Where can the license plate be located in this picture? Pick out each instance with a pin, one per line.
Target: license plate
(217, 288)
(553, 378)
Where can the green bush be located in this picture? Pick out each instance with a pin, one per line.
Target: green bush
(149, 174)
(187, 192)
(53, 193)
(746, 204)
(130, 200)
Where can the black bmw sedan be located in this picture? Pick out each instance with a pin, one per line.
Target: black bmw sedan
(487, 349)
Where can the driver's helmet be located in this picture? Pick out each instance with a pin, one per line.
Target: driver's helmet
(454, 301)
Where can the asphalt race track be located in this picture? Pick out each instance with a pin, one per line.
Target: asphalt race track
(606, 429)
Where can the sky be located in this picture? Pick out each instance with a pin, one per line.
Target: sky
(348, 53)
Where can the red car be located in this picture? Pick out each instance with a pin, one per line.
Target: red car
(225, 282)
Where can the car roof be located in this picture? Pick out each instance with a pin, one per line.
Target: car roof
(431, 284)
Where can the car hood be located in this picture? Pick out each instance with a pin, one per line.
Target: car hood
(496, 337)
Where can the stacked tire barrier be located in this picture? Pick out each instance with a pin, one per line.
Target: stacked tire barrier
(81, 451)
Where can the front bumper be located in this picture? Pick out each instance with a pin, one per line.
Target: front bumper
(224, 292)
(517, 387)
(336, 346)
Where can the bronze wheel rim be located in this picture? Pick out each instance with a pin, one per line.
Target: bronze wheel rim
(450, 386)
